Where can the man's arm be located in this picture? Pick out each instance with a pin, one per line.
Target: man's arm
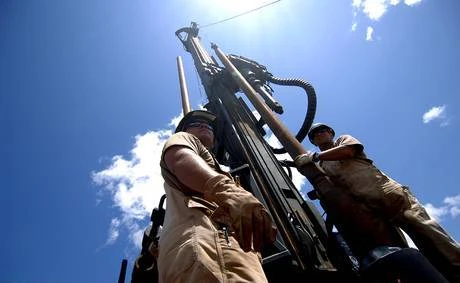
(340, 152)
(248, 217)
(189, 168)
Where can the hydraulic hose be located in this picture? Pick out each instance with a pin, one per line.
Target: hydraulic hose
(311, 108)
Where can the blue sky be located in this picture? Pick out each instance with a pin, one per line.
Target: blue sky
(89, 92)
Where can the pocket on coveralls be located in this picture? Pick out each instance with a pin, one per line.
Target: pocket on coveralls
(395, 201)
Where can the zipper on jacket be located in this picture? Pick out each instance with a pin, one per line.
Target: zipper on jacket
(225, 230)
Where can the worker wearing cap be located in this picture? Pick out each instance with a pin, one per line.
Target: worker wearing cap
(346, 164)
(213, 229)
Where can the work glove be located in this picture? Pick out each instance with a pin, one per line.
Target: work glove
(240, 210)
(306, 158)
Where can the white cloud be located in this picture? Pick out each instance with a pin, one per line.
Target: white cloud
(436, 212)
(436, 113)
(411, 2)
(453, 204)
(354, 26)
(374, 10)
(175, 121)
(454, 211)
(369, 33)
(452, 201)
(134, 184)
(356, 3)
(450, 208)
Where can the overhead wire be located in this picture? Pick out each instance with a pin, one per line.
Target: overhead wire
(239, 15)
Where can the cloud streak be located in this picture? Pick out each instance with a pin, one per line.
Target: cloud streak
(450, 208)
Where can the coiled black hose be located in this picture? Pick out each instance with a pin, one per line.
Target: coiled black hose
(311, 108)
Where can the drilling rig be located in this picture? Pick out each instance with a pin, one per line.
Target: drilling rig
(347, 244)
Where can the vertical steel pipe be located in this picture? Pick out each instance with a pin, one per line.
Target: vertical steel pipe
(183, 86)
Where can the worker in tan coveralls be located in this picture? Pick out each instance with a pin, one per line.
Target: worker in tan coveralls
(213, 228)
(346, 164)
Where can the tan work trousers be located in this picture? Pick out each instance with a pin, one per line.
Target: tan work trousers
(207, 255)
(430, 238)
